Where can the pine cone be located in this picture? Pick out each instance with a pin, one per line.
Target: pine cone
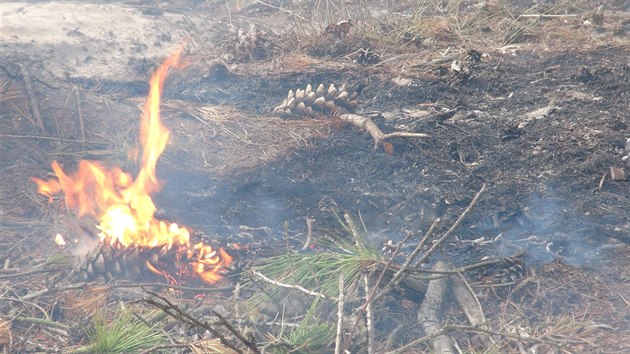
(107, 262)
(312, 103)
(246, 44)
(367, 56)
(116, 261)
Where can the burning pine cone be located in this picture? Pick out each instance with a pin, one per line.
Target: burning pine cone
(110, 261)
(246, 44)
(320, 101)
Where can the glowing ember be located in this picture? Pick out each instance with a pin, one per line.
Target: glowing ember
(60, 240)
(124, 206)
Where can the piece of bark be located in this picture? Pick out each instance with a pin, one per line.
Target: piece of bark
(429, 314)
(469, 303)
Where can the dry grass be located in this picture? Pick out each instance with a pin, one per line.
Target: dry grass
(80, 305)
(436, 25)
(232, 141)
(561, 308)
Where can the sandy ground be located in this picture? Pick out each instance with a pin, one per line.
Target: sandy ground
(89, 40)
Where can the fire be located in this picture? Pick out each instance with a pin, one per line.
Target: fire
(123, 205)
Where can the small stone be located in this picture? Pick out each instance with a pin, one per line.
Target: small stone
(617, 174)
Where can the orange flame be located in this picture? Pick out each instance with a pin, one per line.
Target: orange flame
(123, 205)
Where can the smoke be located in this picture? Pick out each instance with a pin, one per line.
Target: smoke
(551, 229)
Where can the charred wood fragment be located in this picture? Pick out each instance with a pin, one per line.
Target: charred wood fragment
(430, 310)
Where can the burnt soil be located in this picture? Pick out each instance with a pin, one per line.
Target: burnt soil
(540, 121)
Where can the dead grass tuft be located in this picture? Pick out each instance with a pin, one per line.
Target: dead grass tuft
(84, 304)
(562, 307)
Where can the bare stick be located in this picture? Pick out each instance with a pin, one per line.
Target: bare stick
(380, 277)
(18, 275)
(548, 16)
(167, 346)
(339, 337)
(179, 314)
(398, 276)
(369, 316)
(309, 233)
(13, 136)
(477, 265)
(429, 314)
(366, 124)
(453, 227)
(52, 290)
(42, 322)
(236, 333)
(289, 286)
(77, 100)
(32, 99)
(206, 290)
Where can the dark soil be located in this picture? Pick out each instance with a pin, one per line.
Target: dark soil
(540, 123)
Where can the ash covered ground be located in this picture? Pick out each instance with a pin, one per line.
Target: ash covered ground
(538, 95)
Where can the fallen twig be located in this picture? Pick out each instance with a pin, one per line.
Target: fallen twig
(166, 346)
(14, 136)
(77, 100)
(18, 275)
(46, 316)
(548, 15)
(398, 276)
(366, 124)
(469, 303)
(369, 316)
(289, 286)
(339, 336)
(26, 77)
(309, 233)
(178, 314)
(168, 286)
(380, 277)
(477, 265)
(52, 290)
(42, 322)
(453, 227)
(236, 333)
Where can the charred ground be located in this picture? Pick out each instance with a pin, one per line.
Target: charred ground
(541, 116)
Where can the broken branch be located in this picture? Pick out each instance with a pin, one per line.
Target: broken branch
(366, 124)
